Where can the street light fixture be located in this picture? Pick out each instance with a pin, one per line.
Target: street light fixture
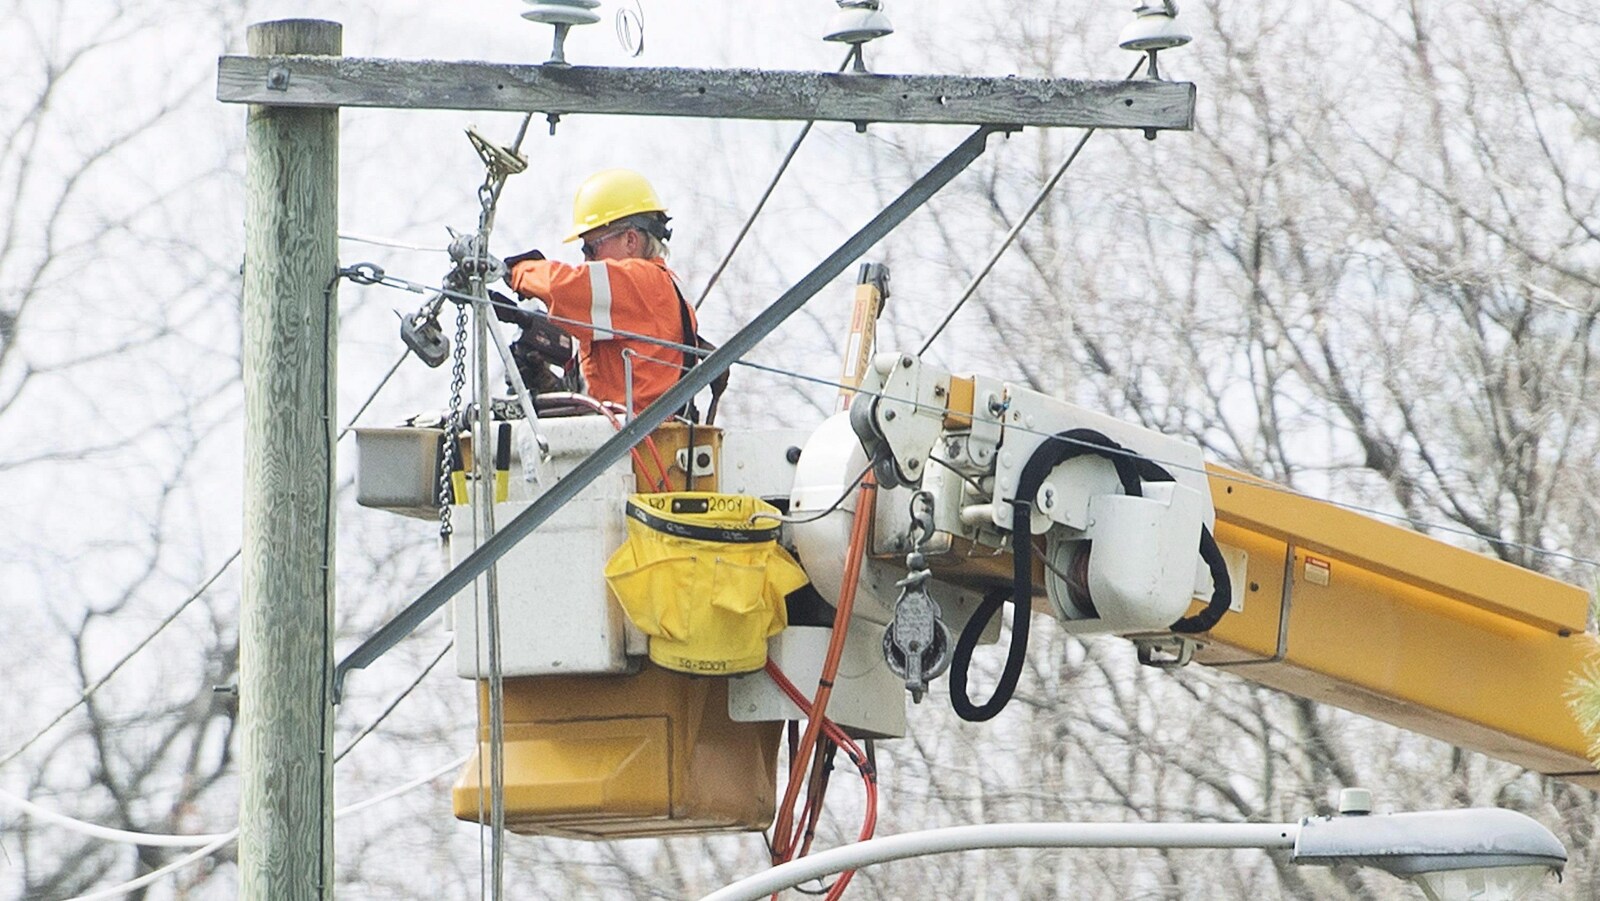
(1484, 853)
(1481, 853)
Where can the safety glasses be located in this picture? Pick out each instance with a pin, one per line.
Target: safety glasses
(591, 246)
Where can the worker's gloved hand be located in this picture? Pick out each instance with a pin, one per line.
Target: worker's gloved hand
(506, 309)
(523, 257)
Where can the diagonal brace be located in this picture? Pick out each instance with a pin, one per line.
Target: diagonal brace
(661, 409)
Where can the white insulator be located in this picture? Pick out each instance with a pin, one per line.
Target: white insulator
(857, 22)
(562, 12)
(1153, 28)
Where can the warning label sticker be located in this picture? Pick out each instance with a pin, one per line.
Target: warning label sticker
(1317, 570)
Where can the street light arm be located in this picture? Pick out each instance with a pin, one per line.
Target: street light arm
(1009, 835)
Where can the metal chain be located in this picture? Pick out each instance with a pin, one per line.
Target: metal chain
(452, 419)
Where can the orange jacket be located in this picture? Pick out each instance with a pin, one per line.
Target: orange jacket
(632, 295)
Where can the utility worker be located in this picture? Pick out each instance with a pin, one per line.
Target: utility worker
(625, 286)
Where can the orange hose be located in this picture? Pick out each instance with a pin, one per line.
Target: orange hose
(869, 777)
(783, 841)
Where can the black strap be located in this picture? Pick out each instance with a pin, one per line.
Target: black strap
(691, 341)
(691, 338)
(698, 532)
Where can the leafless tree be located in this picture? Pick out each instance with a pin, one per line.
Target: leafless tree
(118, 368)
(1367, 273)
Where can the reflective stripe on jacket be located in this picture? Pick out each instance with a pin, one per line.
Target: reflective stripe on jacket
(632, 295)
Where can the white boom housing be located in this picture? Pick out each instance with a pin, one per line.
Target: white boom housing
(1117, 557)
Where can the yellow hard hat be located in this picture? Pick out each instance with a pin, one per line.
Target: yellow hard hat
(609, 195)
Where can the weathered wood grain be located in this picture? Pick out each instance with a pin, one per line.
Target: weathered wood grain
(710, 93)
(290, 328)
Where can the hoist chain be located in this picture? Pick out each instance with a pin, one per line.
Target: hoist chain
(917, 645)
(474, 267)
(499, 163)
(452, 424)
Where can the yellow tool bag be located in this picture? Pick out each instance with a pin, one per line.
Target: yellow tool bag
(703, 575)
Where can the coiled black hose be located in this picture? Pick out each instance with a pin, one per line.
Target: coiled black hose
(1132, 472)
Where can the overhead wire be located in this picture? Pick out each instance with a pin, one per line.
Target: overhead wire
(220, 840)
(1038, 201)
(166, 621)
(795, 520)
(374, 394)
(122, 889)
(107, 833)
(115, 667)
(351, 746)
(750, 221)
(388, 242)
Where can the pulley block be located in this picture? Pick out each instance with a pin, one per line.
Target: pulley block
(426, 339)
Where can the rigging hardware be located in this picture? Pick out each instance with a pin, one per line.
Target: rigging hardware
(917, 645)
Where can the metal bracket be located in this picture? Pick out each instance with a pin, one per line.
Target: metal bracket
(906, 411)
(1165, 651)
(1285, 602)
(422, 334)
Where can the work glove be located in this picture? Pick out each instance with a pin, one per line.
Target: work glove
(523, 257)
(506, 310)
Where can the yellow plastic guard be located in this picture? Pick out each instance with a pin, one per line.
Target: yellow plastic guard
(652, 754)
(703, 575)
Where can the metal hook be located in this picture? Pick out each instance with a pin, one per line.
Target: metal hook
(921, 528)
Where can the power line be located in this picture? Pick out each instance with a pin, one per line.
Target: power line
(169, 618)
(765, 195)
(388, 242)
(1038, 201)
(89, 691)
(219, 841)
(396, 702)
(374, 395)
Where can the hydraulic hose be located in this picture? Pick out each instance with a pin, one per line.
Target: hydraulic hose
(1054, 451)
(861, 522)
(1221, 589)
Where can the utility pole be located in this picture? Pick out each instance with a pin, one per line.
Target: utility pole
(290, 338)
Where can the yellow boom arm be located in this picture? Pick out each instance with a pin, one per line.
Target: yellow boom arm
(1386, 622)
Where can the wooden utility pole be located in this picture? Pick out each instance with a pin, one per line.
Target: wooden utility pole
(290, 337)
